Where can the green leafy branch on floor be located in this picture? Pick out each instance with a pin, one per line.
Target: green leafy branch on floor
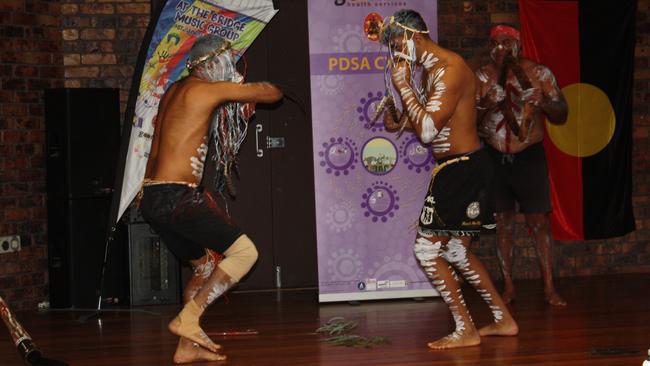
(338, 328)
(354, 340)
(337, 325)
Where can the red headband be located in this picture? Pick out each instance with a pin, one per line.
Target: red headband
(505, 30)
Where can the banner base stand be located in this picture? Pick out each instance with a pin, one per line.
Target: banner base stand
(376, 295)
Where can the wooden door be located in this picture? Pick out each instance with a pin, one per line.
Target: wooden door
(251, 209)
(292, 173)
(275, 202)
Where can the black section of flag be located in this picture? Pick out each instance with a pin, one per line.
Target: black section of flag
(607, 41)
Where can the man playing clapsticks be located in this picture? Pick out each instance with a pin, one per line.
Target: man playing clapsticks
(514, 97)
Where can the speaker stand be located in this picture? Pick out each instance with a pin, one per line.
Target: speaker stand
(99, 311)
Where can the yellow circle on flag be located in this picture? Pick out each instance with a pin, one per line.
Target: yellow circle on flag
(590, 123)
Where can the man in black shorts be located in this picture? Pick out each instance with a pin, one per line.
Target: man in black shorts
(514, 97)
(442, 113)
(208, 107)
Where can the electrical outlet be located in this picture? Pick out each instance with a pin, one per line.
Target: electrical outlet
(9, 244)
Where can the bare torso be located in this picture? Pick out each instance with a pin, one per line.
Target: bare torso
(180, 130)
(494, 127)
(459, 135)
(183, 120)
(448, 85)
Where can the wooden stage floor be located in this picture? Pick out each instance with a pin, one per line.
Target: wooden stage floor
(607, 322)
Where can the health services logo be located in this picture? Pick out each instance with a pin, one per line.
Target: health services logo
(369, 3)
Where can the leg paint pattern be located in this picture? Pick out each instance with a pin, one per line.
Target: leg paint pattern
(205, 270)
(505, 245)
(201, 272)
(539, 225)
(446, 283)
(216, 291)
(456, 254)
(186, 324)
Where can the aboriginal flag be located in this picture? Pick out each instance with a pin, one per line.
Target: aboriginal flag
(589, 46)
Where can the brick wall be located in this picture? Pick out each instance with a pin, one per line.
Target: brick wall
(45, 44)
(30, 61)
(101, 41)
(95, 43)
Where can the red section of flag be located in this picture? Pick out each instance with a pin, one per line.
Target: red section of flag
(550, 36)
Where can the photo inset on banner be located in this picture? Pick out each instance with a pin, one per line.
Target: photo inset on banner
(379, 156)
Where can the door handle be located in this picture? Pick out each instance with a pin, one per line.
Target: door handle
(258, 129)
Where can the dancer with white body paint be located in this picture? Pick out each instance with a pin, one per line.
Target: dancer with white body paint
(442, 113)
(201, 122)
(514, 97)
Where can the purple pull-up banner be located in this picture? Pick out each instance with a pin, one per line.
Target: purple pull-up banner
(370, 185)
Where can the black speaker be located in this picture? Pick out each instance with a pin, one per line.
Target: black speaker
(154, 271)
(82, 144)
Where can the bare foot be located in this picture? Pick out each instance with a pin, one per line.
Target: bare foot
(455, 340)
(188, 352)
(506, 327)
(508, 296)
(554, 299)
(194, 333)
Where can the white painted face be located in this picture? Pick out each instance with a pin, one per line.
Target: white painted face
(502, 45)
(218, 68)
(403, 49)
(410, 48)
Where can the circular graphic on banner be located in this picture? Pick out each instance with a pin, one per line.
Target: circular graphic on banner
(329, 84)
(416, 156)
(344, 265)
(380, 202)
(339, 156)
(366, 110)
(590, 124)
(350, 39)
(379, 156)
(339, 217)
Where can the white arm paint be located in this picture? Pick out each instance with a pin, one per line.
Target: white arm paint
(418, 115)
(421, 114)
